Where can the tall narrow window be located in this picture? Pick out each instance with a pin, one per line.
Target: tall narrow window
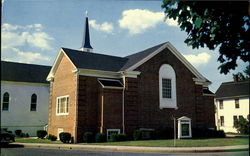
(234, 119)
(237, 104)
(166, 88)
(33, 102)
(221, 104)
(62, 105)
(222, 120)
(6, 100)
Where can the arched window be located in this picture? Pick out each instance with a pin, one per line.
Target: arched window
(6, 100)
(33, 102)
(167, 87)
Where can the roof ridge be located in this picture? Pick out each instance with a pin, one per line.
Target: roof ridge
(24, 63)
(88, 53)
(147, 49)
(233, 82)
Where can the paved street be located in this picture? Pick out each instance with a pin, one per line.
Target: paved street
(20, 151)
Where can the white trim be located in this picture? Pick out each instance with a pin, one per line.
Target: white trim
(56, 64)
(60, 97)
(109, 87)
(26, 83)
(59, 130)
(114, 130)
(180, 122)
(167, 72)
(178, 55)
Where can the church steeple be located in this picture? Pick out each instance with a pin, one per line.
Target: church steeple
(86, 39)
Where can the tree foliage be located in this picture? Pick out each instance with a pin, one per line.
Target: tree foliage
(242, 125)
(223, 24)
(245, 75)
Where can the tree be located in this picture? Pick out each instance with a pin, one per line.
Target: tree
(242, 125)
(223, 24)
(245, 75)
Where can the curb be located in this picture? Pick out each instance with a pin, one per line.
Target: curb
(136, 148)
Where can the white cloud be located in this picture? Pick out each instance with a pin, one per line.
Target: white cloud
(199, 59)
(105, 26)
(25, 57)
(15, 38)
(137, 20)
(15, 35)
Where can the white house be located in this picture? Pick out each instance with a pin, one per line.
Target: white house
(232, 102)
(24, 97)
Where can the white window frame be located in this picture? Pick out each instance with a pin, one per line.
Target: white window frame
(114, 130)
(181, 121)
(59, 130)
(167, 72)
(60, 97)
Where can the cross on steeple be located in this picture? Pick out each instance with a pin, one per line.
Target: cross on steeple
(86, 39)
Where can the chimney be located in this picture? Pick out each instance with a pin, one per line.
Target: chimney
(235, 77)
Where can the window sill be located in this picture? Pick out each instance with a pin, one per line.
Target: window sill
(165, 106)
(62, 114)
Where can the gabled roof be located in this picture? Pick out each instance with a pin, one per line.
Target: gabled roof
(135, 58)
(233, 89)
(20, 72)
(95, 61)
(100, 62)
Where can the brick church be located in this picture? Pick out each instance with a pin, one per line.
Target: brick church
(109, 94)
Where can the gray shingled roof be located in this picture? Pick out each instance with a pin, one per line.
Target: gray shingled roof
(134, 58)
(20, 72)
(96, 61)
(233, 89)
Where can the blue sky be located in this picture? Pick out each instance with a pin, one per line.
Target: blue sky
(33, 31)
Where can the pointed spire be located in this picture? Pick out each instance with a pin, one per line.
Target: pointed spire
(86, 39)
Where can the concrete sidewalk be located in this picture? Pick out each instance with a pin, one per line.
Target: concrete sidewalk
(135, 148)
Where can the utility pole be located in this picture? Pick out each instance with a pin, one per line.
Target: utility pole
(174, 130)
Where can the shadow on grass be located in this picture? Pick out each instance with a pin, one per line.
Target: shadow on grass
(12, 145)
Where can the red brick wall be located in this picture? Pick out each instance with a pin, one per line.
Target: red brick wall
(64, 84)
(188, 94)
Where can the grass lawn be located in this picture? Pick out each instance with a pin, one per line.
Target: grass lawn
(158, 143)
(182, 143)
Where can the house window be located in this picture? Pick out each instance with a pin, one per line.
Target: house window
(167, 87)
(110, 132)
(184, 127)
(234, 119)
(221, 104)
(222, 120)
(62, 105)
(6, 100)
(241, 117)
(237, 104)
(33, 102)
(59, 130)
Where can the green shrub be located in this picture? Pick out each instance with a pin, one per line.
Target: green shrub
(118, 137)
(100, 137)
(207, 133)
(88, 137)
(137, 135)
(9, 132)
(65, 137)
(242, 125)
(22, 135)
(18, 132)
(41, 133)
(27, 135)
(52, 137)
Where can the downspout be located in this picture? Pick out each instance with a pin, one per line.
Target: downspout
(123, 102)
(76, 106)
